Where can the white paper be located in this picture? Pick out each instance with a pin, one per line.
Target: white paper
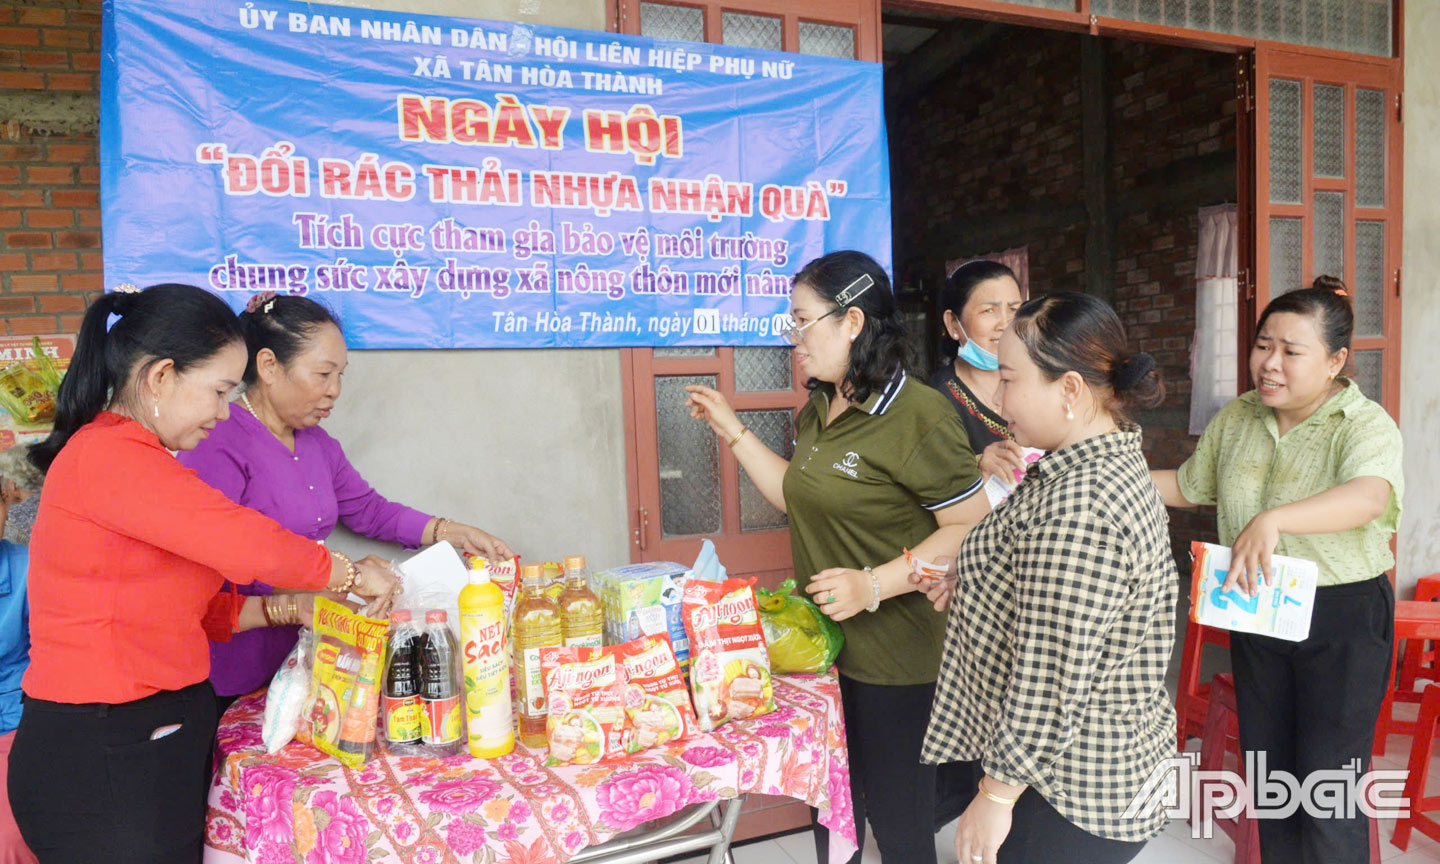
(434, 579)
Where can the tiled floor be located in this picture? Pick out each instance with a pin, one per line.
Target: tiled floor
(1175, 846)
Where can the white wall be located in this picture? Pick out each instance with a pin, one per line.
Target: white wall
(1419, 542)
(529, 445)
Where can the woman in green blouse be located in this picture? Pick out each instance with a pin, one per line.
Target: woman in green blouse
(1306, 466)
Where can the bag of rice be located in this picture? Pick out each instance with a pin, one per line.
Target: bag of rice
(729, 663)
(656, 700)
(285, 701)
(585, 689)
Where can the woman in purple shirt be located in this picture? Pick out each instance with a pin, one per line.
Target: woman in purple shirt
(272, 456)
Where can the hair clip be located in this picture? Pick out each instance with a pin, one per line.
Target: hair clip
(127, 288)
(851, 294)
(264, 297)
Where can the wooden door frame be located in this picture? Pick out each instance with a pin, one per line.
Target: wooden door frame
(1283, 61)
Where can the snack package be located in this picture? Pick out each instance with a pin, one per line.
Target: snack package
(26, 395)
(657, 702)
(285, 700)
(344, 700)
(644, 600)
(730, 665)
(585, 688)
(798, 636)
(929, 572)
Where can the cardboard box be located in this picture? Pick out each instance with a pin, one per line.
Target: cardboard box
(644, 600)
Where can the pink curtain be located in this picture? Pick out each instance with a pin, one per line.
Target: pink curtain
(1017, 260)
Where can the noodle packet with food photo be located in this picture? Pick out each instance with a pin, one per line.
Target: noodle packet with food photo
(585, 689)
(345, 682)
(657, 702)
(729, 662)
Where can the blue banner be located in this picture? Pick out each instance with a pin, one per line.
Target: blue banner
(454, 183)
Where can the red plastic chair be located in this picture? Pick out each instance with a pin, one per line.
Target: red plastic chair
(1192, 699)
(1420, 660)
(1421, 749)
(1222, 732)
(1416, 622)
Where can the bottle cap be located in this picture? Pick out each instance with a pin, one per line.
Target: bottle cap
(436, 616)
(574, 562)
(400, 616)
(481, 574)
(532, 573)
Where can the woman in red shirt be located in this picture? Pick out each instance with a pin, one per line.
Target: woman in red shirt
(128, 552)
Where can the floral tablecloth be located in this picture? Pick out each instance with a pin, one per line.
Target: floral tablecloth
(303, 806)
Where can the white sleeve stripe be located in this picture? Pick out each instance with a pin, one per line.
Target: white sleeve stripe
(971, 490)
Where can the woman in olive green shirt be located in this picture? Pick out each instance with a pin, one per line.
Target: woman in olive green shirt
(881, 463)
(1306, 466)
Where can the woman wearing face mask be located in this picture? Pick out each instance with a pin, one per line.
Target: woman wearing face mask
(272, 455)
(1052, 686)
(129, 551)
(881, 464)
(980, 299)
(1306, 466)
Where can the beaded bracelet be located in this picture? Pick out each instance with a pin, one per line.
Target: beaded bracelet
(352, 573)
(874, 591)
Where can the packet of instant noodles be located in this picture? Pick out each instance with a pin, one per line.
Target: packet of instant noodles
(345, 682)
(585, 689)
(928, 572)
(729, 663)
(656, 699)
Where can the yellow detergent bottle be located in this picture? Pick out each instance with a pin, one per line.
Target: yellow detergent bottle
(489, 723)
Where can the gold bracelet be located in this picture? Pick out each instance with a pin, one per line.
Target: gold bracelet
(265, 608)
(1008, 802)
(738, 436)
(294, 609)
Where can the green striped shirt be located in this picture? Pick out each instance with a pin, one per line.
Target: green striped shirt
(1243, 466)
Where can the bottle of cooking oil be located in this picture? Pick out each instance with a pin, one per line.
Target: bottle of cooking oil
(535, 625)
(582, 621)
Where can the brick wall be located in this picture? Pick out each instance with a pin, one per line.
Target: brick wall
(49, 164)
(1001, 138)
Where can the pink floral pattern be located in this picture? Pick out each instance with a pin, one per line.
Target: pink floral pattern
(641, 794)
(342, 840)
(300, 805)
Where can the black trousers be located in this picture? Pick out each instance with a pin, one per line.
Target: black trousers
(905, 801)
(88, 784)
(1312, 705)
(1039, 834)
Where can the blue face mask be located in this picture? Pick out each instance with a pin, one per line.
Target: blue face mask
(972, 353)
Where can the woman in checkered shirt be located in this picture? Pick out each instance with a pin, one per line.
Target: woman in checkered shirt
(1052, 686)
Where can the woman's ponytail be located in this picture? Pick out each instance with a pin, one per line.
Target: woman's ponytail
(121, 335)
(85, 389)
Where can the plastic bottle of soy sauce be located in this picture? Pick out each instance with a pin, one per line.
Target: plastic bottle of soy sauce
(442, 726)
(401, 708)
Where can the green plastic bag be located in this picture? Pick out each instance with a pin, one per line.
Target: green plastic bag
(799, 636)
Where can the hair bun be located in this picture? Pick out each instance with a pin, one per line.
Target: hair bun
(1133, 371)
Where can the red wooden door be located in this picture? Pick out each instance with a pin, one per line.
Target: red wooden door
(684, 484)
(1327, 195)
